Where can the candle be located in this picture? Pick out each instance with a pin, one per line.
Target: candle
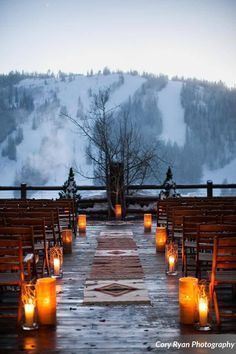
(67, 240)
(161, 238)
(118, 211)
(56, 265)
(147, 220)
(28, 299)
(187, 299)
(46, 300)
(29, 314)
(82, 223)
(203, 311)
(171, 258)
(171, 264)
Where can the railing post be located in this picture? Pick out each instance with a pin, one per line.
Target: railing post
(210, 189)
(23, 191)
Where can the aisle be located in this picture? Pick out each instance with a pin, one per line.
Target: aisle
(116, 275)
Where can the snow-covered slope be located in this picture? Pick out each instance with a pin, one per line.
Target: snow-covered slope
(53, 144)
(226, 174)
(172, 113)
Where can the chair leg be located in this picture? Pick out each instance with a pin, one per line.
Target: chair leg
(216, 307)
(19, 310)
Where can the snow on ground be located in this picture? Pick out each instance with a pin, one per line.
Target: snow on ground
(172, 111)
(218, 176)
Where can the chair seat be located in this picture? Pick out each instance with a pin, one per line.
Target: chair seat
(9, 279)
(192, 244)
(207, 257)
(224, 277)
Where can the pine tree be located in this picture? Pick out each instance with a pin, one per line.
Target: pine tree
(169, 186)
(70, 188)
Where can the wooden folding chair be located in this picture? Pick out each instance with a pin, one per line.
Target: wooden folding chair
(27, 237)
(11, 274)
(40, 242)
(205, 241)
(223, 272)
(189, 239)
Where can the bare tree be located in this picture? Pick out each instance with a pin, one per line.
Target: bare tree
(114, 138)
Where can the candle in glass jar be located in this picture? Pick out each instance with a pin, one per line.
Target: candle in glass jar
(29, 314)
(203, 311)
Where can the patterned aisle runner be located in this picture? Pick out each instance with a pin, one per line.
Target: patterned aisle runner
(116, 276)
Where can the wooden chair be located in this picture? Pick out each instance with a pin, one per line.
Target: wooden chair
(40, 242)
(25, 234)
(189, 239)
(205, 240)
(223, 272)
(11, 274)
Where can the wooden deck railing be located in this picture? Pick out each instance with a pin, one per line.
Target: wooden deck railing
(209, 187)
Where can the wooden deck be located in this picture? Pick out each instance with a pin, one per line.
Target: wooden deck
(111, 328)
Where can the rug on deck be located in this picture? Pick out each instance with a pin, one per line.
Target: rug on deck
(116, 275)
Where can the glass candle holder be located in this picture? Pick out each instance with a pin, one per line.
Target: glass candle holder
(147, 222)
(161, 238)
(171, 256)
(203, 323)
(56, 261)
(28, 299)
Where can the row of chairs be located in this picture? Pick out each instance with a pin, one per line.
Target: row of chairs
(205, 230)
(27, 231)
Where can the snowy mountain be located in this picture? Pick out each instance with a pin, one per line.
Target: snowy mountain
(38, 144)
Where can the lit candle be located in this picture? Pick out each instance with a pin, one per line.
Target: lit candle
(171, 263)
(29, 314)
(67, 240)
(82, 223)
(118, 211)
(203, 311)
(56, 265)
(46, 300)
(187, 299)
(161, 238)
(147, 222)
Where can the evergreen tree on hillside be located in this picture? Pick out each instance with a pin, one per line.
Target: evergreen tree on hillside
(70, 188)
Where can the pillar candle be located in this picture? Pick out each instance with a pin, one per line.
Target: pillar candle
(67, 240)
(171, 264)
(82, 223)
(46, 300)
(161, 238)
(147, 220)
(118, 211)
(56, 265)
(187, 299)
(203, 311)
(29, 314)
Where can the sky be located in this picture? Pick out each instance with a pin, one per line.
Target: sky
(189, 38)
